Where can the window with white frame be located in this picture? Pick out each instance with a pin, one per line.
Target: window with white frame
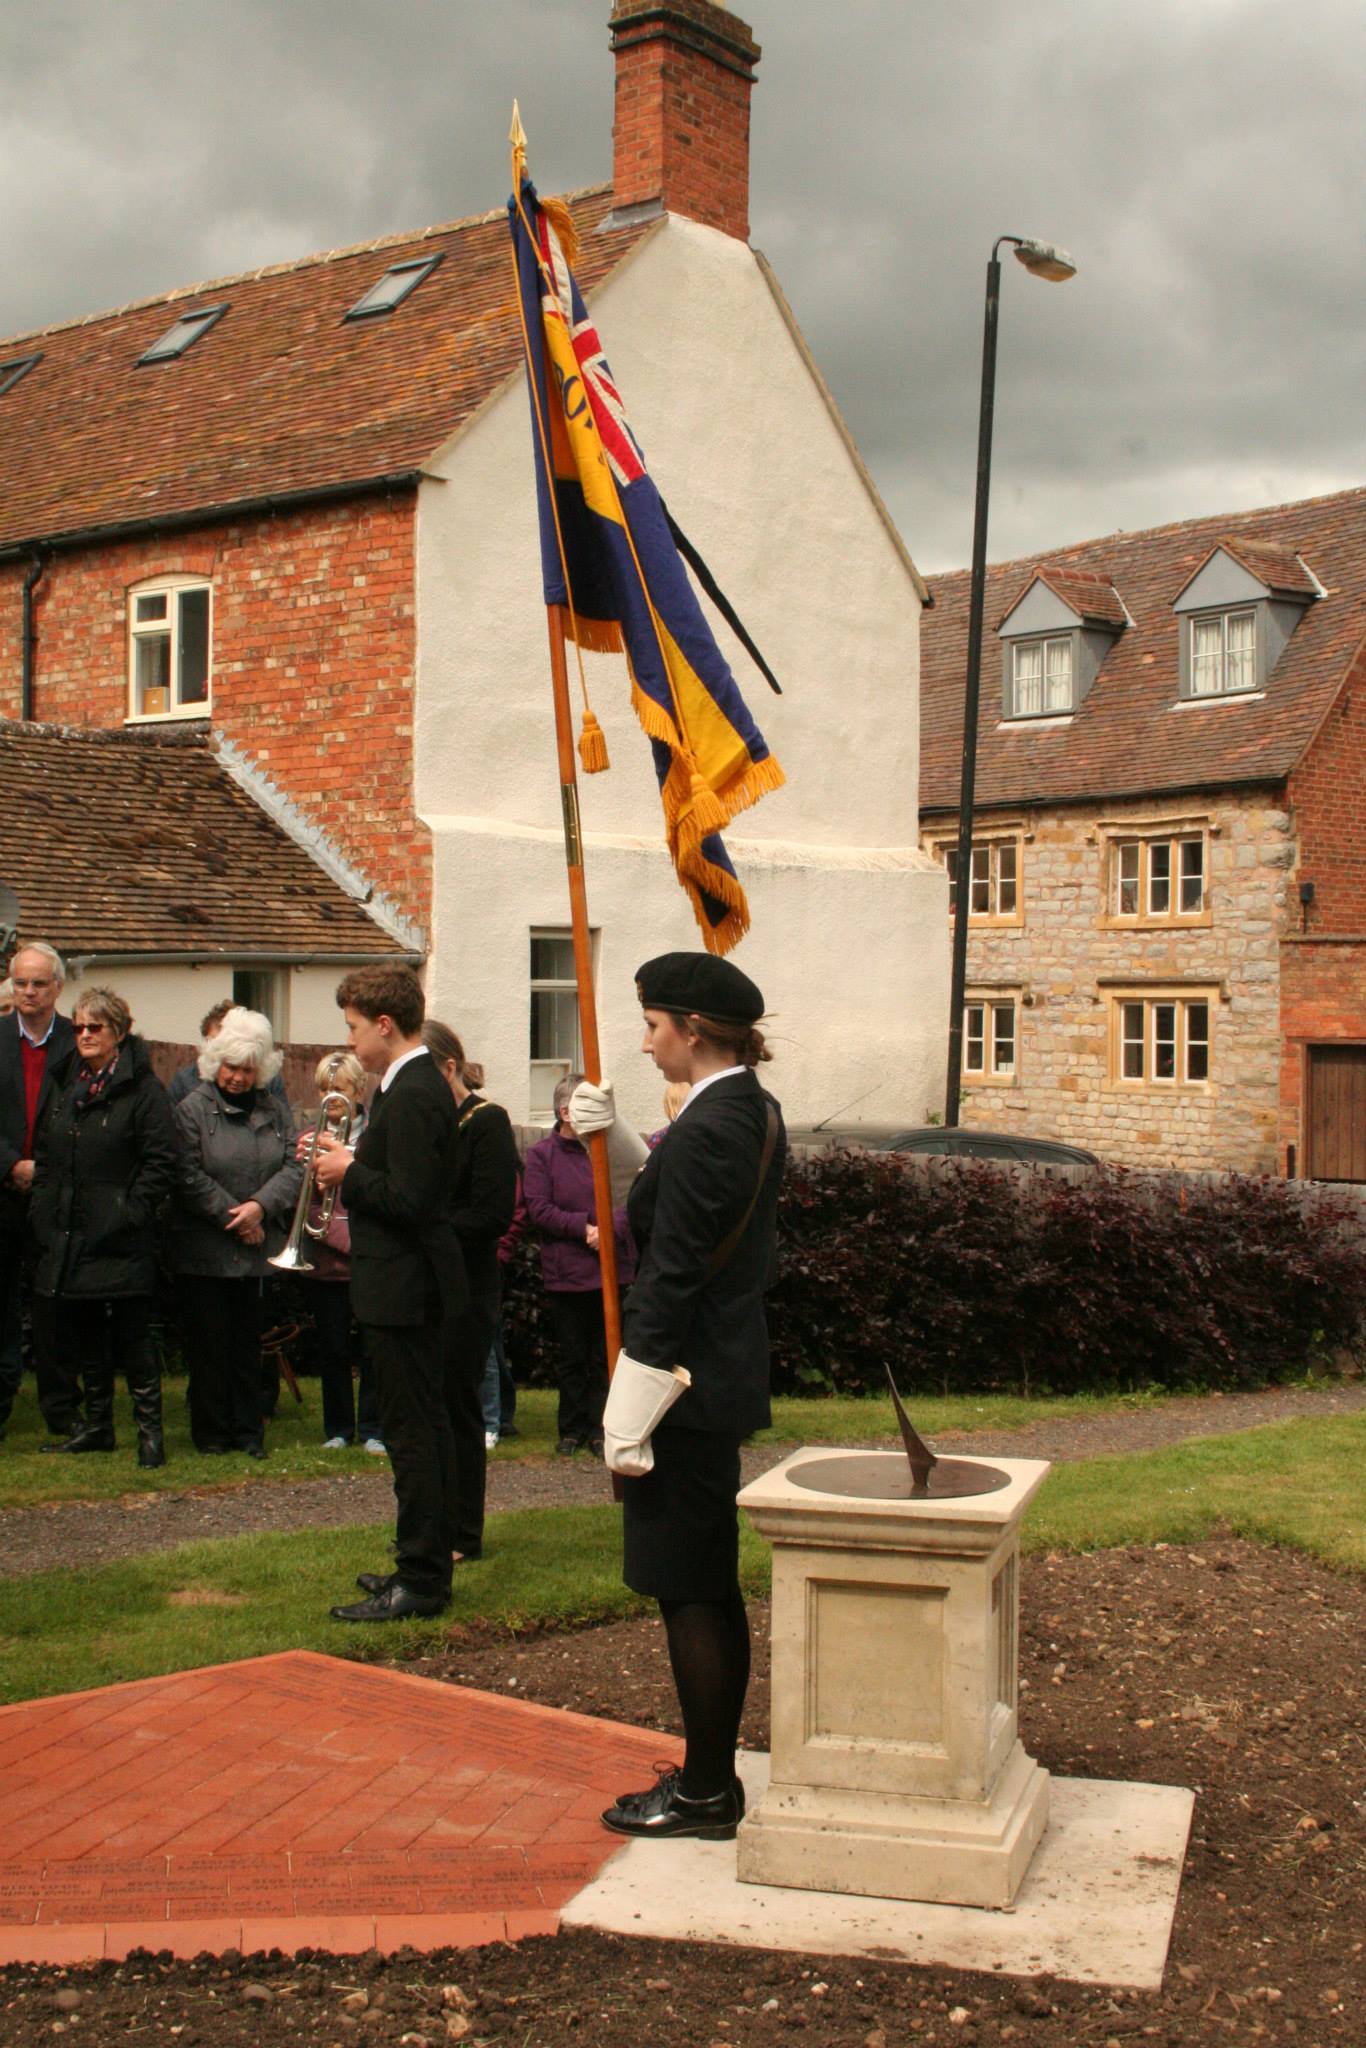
(989, 1038)
(1161, 1039)
(1223, 654)
(994, 879)
(556, 1045)
(1041, 672)
(1158, 880)
(169, 648)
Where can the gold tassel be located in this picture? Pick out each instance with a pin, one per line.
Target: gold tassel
(592, 744)
(709, 813)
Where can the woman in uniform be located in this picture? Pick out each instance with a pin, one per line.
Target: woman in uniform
(702, 1207)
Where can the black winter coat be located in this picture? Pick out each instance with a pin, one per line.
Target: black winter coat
(102, 1172)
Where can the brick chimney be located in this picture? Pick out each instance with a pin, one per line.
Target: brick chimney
(685, 70)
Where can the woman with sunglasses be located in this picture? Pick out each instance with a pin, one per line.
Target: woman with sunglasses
(104, 1166)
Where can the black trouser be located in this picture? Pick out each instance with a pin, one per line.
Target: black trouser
(221, 1326)
(59, 1386)
(105, 1338)
(345, 1412)
(466, 1341)
(417, 1436)
(580, 1363)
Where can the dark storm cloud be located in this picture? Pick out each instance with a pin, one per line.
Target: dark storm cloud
(1202, 159)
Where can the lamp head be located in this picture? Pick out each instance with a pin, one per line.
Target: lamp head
(1043, 259)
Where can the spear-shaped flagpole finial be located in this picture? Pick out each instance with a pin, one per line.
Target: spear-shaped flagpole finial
(517, 137)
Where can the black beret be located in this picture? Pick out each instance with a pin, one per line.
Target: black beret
(700, 984)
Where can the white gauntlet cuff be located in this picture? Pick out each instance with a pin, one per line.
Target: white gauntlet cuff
(638, 1399)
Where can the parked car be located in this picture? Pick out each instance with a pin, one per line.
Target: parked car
(965, 1142)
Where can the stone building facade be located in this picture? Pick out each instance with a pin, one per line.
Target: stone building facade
(1167, 945)
(1065, 968)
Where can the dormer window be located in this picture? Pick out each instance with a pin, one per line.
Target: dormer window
(1236, 615)
(1042, 677)
(1054, 638)
(1223, 654)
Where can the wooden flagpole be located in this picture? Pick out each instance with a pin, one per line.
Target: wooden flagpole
(583, 974)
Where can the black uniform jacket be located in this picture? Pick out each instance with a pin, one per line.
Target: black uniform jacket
(104, 1170)
(691, 1193)
(485, 1190)
(61, 1051)
(406, 1266)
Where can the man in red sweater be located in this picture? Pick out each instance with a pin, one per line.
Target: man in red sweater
(36, 1050)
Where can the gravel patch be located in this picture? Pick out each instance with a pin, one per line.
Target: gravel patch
(76, 1533)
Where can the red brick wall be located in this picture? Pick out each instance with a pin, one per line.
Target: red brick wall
(681, 128)
(313, 654)
(1323, 986)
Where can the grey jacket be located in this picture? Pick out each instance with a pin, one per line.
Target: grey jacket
(229, 1155)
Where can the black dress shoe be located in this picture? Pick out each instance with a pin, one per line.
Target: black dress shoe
(395, 1603)
(253, 1450)
(663, 1811)
(151, 1449)
(630, 1800)
(376, 1582)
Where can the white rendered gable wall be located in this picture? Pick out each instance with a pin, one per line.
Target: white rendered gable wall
(849, 938)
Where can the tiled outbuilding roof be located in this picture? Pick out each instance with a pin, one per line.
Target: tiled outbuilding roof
(1130, 736)
(140, 842)
(282, 395)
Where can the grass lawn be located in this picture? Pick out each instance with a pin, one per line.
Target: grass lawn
(294, 1439)
(1296, 1483)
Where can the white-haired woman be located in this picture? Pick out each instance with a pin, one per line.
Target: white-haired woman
(239, 1182)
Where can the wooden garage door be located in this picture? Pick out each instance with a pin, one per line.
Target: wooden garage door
(1337, 1112)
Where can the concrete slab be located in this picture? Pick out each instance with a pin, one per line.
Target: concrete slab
(1096, 1907)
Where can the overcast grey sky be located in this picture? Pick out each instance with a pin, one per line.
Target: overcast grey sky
(1203, 160)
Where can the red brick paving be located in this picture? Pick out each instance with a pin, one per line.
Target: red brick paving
(297, 1802)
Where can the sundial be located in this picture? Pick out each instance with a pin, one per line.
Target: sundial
(873, 1475)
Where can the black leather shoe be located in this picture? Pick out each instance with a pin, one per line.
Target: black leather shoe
(94, 1437)
(395, 1603)
(663, 1811)
(630, 1800)
(376, 1582)
(151, 1449)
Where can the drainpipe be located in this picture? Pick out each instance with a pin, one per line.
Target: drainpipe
(31, 582)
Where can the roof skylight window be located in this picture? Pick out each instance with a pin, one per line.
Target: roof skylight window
(183, 335)
(393, 288)
(14, 369)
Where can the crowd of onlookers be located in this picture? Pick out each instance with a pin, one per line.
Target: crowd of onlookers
(127, 1207)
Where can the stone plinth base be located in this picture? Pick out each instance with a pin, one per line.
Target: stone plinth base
(895, 1846)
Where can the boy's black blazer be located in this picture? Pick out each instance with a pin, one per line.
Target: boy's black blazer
(690, 1195)
(406, 1266)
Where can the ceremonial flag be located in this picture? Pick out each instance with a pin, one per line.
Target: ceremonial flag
(608, 555)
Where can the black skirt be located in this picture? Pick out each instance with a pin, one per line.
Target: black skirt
(680, 1527)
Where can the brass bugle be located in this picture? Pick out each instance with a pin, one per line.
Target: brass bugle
(334, 1116)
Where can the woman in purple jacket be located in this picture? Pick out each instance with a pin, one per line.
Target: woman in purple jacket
(557, 1185)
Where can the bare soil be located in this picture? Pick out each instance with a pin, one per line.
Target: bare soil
(1232, 1669)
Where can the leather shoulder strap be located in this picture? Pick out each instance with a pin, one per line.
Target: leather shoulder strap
(726, 1250)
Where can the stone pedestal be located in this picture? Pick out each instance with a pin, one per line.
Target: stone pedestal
(897, 1768)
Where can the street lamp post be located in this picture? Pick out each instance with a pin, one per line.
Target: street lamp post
(1041, 259)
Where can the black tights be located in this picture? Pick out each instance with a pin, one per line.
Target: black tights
(709, 1652)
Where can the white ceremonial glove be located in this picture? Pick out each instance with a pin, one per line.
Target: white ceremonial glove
(592, 1108)
(638, 1399)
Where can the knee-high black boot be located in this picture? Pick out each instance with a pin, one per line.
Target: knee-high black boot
(96, 1433)
(145, 1387)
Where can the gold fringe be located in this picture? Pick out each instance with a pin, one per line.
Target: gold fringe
(592, 744)
(599, 636)
(562, 221)
(758, 780)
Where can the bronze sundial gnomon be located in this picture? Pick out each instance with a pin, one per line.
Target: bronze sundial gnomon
(872, 1475)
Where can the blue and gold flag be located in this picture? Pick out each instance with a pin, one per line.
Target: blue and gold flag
(609, 556)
